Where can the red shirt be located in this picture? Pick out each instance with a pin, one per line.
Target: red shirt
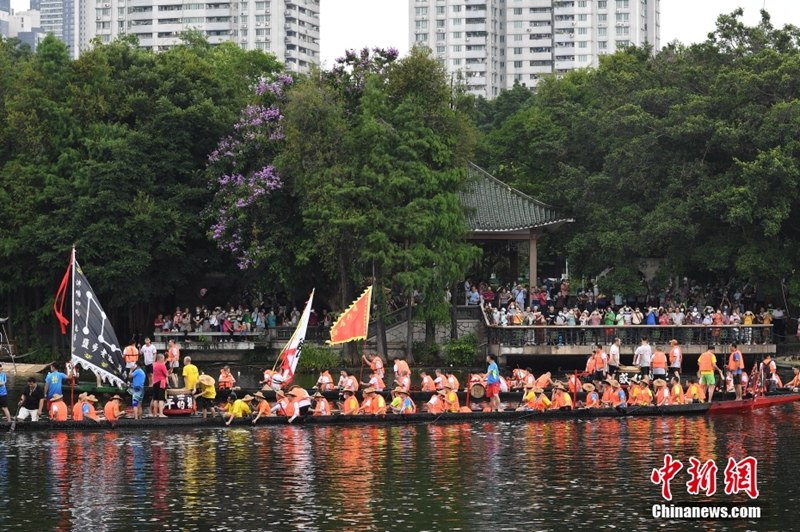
(160, 374)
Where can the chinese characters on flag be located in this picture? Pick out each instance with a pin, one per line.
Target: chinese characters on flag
(739, 476)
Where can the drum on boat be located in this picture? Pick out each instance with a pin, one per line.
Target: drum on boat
(477, 390)
(179, 402)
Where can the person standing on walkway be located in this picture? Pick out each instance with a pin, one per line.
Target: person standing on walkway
(736, 366)
(675, 357)
(148, 351)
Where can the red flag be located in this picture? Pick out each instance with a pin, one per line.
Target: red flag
(354, 322)
(61, 296)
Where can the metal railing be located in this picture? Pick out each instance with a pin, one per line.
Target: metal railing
(552, 335)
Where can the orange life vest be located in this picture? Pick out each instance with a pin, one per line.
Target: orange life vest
(377, 366)
(111, 411)
(659, 360)
(378, 405)
(328, 384)
(706, 362)
(77, 411)
(644, 397)
(427, 384)
(131, 354)
(599, 363)
(174, 354)
(591, 365)
(436, 405)
(662, 396)
(574, 384)
(675, 356)
(402, 366)
(226, 380)
(592, 400)
(453, 381)
(350, 405)
(608, 395)
(287, 407)
(543, 381)
(735, 365)
(617, 397)
(58, 411)
(323, 408)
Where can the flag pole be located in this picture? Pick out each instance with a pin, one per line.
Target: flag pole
(72, 327)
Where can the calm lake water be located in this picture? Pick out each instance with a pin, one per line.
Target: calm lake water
(471, 476)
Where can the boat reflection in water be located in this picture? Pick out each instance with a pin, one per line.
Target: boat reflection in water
(537, 475)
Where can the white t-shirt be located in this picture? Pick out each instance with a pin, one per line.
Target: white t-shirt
(644, 354)
(149, 354)
(614, 358)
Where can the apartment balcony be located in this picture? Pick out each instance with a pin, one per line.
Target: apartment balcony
(539, 56)
(565, 65)
(475, 54)
(535, 43)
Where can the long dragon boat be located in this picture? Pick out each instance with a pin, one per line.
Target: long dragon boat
(171, 423)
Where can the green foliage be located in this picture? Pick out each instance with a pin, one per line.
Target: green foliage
(689, 156)
(426, 355)
(318, 357)
(463, 351)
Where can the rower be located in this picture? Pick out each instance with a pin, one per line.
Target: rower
(347, 382)
(451, 399)
(618, 399)
(452, 381)
(407, 406)
(283, 405)
(736, 367)
(561, 397)
(540, 401)
(427, 382)
(350, 404)
(440, 380)
(366, 402)
(573, 383)
(302, 400)
(262, 407)
(608, 394)
(693, 392)
(662, 392)
(592, 397)
(112, 410)
(544, 380)
(676, 394)
(58, 408)
(375, 363)
(78, 407)
(645, 395)
(325, 381)
(321, 406)
(404, 381)
(237, 408)
(401, 368)
(530, 378)
(375, 382)
(528, 399)
(378, 403)
(266, 382)
(436, 403)
(794, 384)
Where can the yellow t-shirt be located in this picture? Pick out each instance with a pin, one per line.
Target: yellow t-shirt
(190, 375)
(207, 391)
(397, 402)
(239, 408)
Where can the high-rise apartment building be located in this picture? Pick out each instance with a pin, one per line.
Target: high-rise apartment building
(492, 44)
(287, 28)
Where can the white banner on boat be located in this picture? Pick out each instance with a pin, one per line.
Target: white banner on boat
(291, 353)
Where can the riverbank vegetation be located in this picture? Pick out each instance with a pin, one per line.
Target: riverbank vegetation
(207, 168)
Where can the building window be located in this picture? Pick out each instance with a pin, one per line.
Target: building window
(623, 17)
(456, 9)
(421, 37)
(518, 24)
(517, 37)
(422, 24)
(623, 44)
(456, 62)
(602, 32)
(583, 44)
(517, 10)
(622, 4)
(456, 35)
(440, 10)
(583, 31)
(517, 51)
(624, 30)
(602, 45)
(582, 18)
(517, 64)
(440, 23)
(440, 36)
(583, 59)
(602, 18)
(456, 47)
(458, 21)
(581, 3)
(421, 11)
(440, 49)
(602, 4)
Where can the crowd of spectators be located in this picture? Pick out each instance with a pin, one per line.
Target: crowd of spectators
(553, 304)
(234, 319)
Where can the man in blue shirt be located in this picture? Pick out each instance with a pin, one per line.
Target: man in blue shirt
(493, 383)
(4, 393)
(138, 378)
(53, 382)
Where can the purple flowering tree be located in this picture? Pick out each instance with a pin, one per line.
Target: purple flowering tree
(244, 179)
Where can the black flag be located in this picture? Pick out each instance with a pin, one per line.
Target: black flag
(94, 343)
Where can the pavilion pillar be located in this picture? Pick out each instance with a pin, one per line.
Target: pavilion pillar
(532, 259)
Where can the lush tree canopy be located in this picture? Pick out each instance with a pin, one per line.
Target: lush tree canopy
(689, 156)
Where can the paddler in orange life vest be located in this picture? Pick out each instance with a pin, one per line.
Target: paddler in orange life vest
(561, 398)
(451, 399)
(736, 366)
(347, 382)
(112, 410)
(349, 406)
(400, 368)
(284, 405)
(694, 393)
(676, 392)
(592, 397)
(618, 399)
(84, 409)
(266, 383)
(58, 408)
(404, 381)
(662, 392)
(452, 381)
(440, 379)
(375, 382)
(262, 409)
(436, 403)
(427, 382)
(321, 405)
(708, 364)
(544, 380)
(375, 363)
(645, 396)
(325, 381)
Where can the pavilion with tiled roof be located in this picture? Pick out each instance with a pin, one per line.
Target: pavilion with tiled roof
(496, 211)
